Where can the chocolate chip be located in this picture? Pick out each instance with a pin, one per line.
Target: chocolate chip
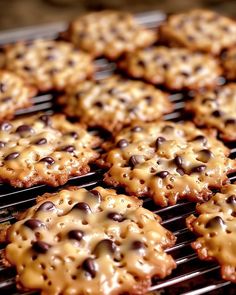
(34, 223)
(136, 129)
(41, 247)
(138, 245)
(2, 87)
(83, 207)
(217, 221)
(73, 134)
(12, 156)
(105, 245)
(148, 99)
(76, 234)
(116, 216)
(204, 155)
(198, 169)
(41, 141)
(24, 128)
(53, 71)
(45, 119)
(6, 99)
(48, 160)
(19, 55)
(141, 63)
(2, 144)
(28, 68)
(5, 126)
(46, 206)
(231, 200)
(200, 138)
(180, 171)
(217, 113)
(178, 161)
(135, 160)
(123, 143)
(162, 174)
(185, 74)
(96, 194)
(198, 68)
(68, 148)
(190, 38)
(166, 66)
(159, 141)
(89, 266)
(230, 121)
(167, 128)
(98, 104)
(71, 63)
(50, 57)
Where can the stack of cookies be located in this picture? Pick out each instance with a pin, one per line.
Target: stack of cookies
(99, 241)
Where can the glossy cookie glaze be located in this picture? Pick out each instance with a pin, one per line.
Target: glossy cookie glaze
(88, 242)
(216, 231)
(44, 149)
(167, 162)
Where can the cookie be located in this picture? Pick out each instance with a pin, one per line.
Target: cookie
(88, 242)
(217, 109)
(175, 68)
(44, 149)
(114, 102)
(48, 65)
(215, 228)
(229, 64)
(167, 162)
(14, 94)
(201, 30)
(109, 33)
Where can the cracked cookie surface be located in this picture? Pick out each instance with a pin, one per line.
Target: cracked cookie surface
(94, 242)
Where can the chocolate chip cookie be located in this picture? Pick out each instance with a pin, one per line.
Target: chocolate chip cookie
(175, 68)
(229, 64)
(201, 30)
(215, 228)
(109, 33)
(88, 242)
(14, 94)
(114, 102)
(167, 162)
(217, 109)
(44, 149)
(48, 65)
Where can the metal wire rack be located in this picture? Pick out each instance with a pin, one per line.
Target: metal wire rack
(192, 276)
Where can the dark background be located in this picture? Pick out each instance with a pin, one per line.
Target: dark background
(19, 13)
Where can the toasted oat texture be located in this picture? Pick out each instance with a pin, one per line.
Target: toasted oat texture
(175, 68)
(216, 109)
(229, 64)
(88, 242)
(200, 29)
(114, 102)
(215, 228)
(44, 149)
(167, 162)
(109, 33)
(15, 94)
(48, 65)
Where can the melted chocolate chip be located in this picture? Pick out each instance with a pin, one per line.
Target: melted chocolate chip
(28, 68)
(41, 247)
(180, 171)
(45, 119)
(166, 66)
(159, 141)
(141, 63)
(69, 149)
(34, 223)
(2, 87)
(41, 141)
(19, 55)
(135, 160)
(198, 68)
(162, 174)
(198, 169)
(5, 126)
(83, 207)
(73, 134)
(53, 71)
(185, 74)
(230, 121)
(148, 99)
(96, 194)
(217, 113)
(89, 266)
(204, 155)
(178, 161)
(123, 143)
(46, 206)
(217, 221)
(98, 104)
(6, 99)
(105, 245)
(48, 160)
(200, 138)
(12, 156)
(76, 234)
(116, 216)
(138, 245)
(24, 128)
(231, 200)
(2, 144)
(136, 129)
(71, 63)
